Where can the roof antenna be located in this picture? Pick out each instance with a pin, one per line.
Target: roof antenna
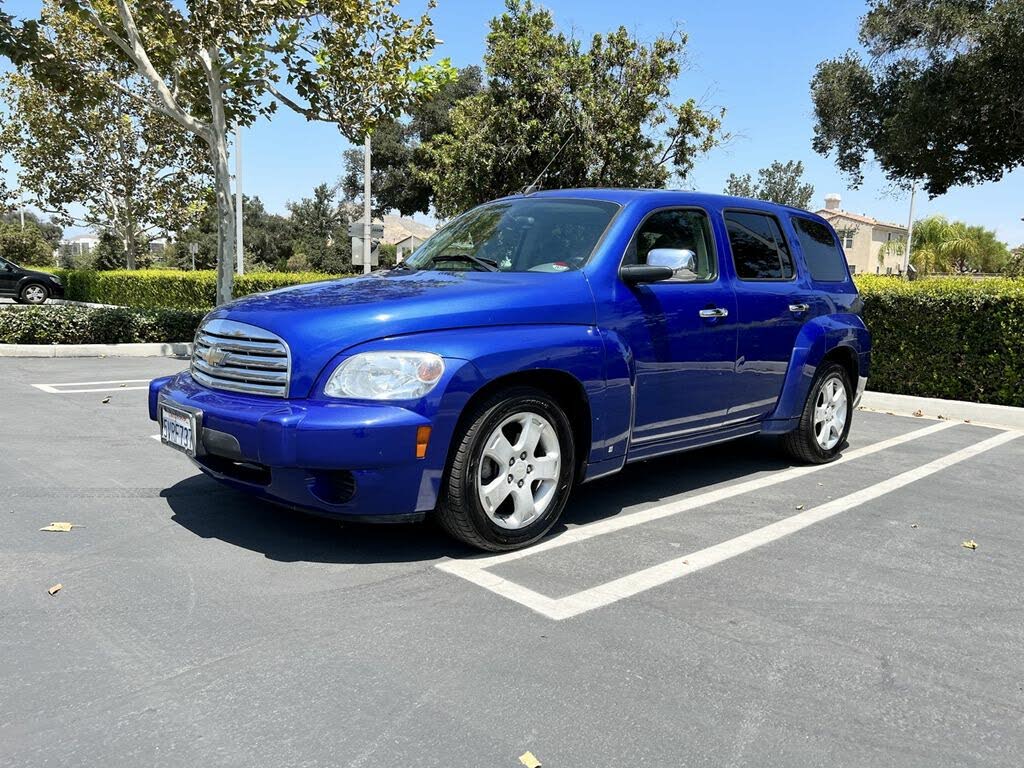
(534, 185)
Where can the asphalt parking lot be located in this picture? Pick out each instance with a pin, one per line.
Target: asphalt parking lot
(716, 608)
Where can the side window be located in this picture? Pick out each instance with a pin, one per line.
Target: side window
(821, 253)
(684, 236)
(759, 250)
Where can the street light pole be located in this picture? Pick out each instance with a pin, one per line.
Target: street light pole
(910, 230)
(239, 266)
(367, 224)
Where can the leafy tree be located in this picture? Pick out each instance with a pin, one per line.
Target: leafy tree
(1015, 264)
(943, 246)
(208, 66)
(595, 117)
(319, 227)
(937, 97)
(51, 231)
(397, 149)
(131, 169)
(268, 236)
(25, 246)
(778, 183)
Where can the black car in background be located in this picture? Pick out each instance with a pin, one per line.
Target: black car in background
(26, 286)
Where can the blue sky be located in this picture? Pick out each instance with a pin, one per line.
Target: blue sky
(754, 58)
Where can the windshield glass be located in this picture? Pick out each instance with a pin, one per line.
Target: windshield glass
(522, 235)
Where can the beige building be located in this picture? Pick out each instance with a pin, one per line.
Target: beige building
(864, 239)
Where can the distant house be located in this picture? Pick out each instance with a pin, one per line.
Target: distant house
(80, 245)
(403, 248)
(863, 239)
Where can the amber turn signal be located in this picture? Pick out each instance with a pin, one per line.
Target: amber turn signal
(422, 438)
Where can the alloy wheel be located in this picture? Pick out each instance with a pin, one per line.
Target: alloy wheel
(519, 470)
(830, 412)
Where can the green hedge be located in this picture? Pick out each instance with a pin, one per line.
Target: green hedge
(170, 288)
(57, 324)
(954, 338)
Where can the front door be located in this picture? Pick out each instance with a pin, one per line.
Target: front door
(682, 331)
(9, 275)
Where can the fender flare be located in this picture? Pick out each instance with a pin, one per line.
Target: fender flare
(817, 338)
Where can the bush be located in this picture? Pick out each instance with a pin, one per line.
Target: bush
(169, 288)
(954, 338)
(57, 324)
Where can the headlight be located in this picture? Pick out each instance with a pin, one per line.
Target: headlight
(55, 279)
(386, 376)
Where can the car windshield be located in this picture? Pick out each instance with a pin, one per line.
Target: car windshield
(521, 235)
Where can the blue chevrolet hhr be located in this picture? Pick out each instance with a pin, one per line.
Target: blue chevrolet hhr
(533, 343)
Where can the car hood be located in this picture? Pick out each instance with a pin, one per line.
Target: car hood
(320, 320)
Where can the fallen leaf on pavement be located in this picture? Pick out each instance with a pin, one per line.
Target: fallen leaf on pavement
(529, 760)
(919, 412)
(55, 589)
(913, 525)
(60, 527)
(123, 386)
(105, 399)
(799, 506)
(970, 544)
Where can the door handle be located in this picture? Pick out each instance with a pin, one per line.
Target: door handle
(714, 312)
(799, 309)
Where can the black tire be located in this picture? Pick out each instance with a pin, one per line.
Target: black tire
(28, 294)
(802, 443)
(460, 510)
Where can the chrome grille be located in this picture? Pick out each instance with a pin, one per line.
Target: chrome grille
(241, 358)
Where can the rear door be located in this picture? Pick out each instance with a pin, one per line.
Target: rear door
(773, 302)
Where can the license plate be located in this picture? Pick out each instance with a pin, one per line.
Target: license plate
(178, 429)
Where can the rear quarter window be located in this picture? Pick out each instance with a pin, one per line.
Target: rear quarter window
(821, 251)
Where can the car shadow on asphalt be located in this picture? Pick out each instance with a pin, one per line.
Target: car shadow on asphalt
(212, 511)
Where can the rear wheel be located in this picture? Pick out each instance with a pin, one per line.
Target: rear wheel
(511, 472)
(825, 421)
(34, 293)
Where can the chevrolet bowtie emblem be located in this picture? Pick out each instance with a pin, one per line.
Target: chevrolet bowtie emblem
(214, 355)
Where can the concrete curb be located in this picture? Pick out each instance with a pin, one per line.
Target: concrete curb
(1003, 416)
(171, 349)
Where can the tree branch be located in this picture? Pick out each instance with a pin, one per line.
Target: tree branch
(137, 53)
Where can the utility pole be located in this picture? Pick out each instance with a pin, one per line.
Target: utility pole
(239, 266)
(910, 230)
(367, 224)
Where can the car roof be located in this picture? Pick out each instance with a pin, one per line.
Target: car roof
(624, 196)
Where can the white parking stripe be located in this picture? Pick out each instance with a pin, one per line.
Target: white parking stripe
(62, 388)
(620, 522)
(628, 586)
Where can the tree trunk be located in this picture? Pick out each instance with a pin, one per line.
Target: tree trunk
(225, 218)
(130, 245)
(217, 140)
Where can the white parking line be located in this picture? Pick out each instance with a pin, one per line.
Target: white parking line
(562, 608)
(62, 388)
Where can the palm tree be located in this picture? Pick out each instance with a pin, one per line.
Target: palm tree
(941, 245)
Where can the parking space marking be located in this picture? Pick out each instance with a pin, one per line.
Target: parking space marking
(619, 522)
(474, 570)
(62, 389)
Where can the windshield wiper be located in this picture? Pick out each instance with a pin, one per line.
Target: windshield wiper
(488, 265)
(404, 265)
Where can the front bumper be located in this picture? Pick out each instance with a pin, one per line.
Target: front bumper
(346, 460)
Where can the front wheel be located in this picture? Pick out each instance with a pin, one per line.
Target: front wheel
(825, 421)
(34, 293)
(511, 473)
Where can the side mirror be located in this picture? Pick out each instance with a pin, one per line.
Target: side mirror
(634, 274)
(682, 261)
